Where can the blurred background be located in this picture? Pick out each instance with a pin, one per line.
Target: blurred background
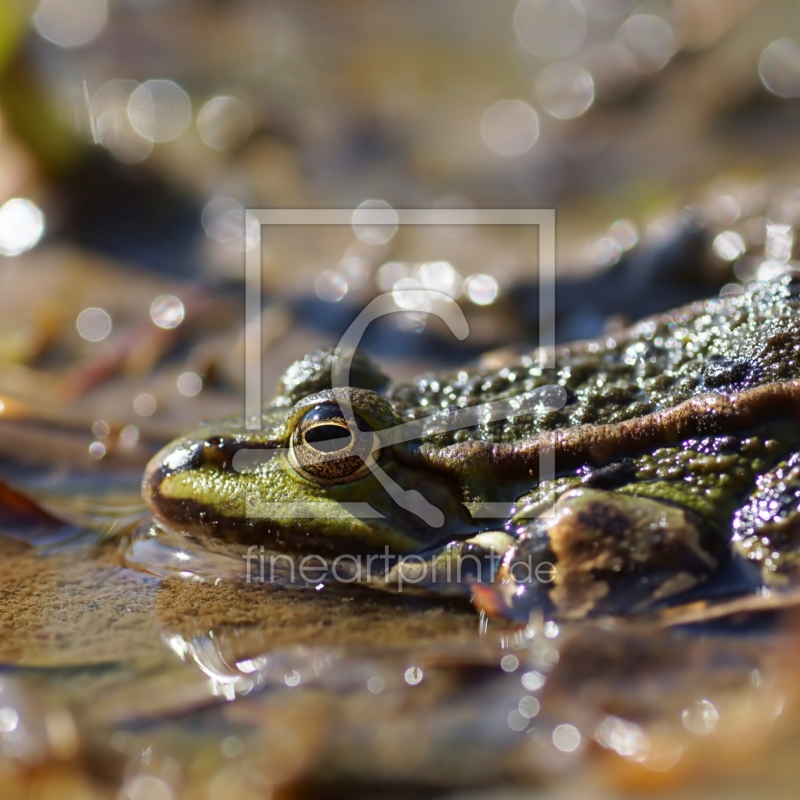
(134, 134)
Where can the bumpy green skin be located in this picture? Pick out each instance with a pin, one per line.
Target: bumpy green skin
(719, 345)
(694, 409)
(767, 528)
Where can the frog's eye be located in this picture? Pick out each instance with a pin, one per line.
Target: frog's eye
(325, 449)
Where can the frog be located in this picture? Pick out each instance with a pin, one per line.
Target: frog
(674, 468)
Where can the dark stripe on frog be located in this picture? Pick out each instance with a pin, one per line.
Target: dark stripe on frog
(217, 531)
(707, 415)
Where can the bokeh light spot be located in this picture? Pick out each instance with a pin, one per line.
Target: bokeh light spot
(144, 405)
(112, 125)
(779, 68)
(70, 23)
(224, 123)
(331, 286)
(651, 40)
(566, 738)
(413, 676)
(21, 226)
(510, 127)
(550, 28)
(481, 289)
(93, 324)
(167, 311)
(565, 90)
(160, 110)
(375, 222)
(729, 245)
(189, 384)
(97, 450)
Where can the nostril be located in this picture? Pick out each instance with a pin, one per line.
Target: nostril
(221, 452)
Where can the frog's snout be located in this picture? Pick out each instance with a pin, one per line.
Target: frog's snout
(175, 457)
(222, 453)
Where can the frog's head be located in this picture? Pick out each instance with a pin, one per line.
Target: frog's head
(305, 480)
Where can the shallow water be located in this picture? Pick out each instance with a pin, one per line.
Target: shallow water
(132, 673)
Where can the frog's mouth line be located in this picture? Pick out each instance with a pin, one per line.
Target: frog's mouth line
(216, 530)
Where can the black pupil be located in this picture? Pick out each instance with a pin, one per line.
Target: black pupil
(328, 438)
